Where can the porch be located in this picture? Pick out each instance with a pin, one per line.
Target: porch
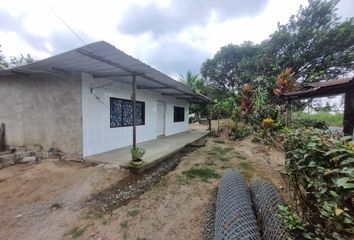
(156, 150)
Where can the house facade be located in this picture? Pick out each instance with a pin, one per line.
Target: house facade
(80, 102)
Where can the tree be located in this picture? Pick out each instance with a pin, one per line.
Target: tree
(314, 43)
(193, 81)
(20, 60)
(14, 61)
(3, 63)
(231, 67)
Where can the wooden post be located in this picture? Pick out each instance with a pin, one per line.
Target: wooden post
(134, 111)
(348, 119)
(288, 113)
(218, 118)
(2, 137)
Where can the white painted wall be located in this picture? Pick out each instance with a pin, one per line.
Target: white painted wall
(98, 137)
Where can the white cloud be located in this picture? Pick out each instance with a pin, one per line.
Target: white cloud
(32, 27)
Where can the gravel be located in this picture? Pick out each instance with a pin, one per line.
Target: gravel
(136, 184)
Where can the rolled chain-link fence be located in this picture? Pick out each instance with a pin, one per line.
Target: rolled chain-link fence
(266, 200)
(234, 217)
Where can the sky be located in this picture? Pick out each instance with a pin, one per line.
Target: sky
(171, 35)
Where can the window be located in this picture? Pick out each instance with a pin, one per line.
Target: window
(178, 114)
(121, 111)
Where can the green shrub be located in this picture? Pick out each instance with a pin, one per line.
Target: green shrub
(240, 132)
(137, 153)
(306, 122)
(320, 166)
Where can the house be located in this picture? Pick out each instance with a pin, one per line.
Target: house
(81, 102)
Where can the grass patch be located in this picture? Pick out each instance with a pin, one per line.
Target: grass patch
(220, 141)
(331, 119)
(76, 232)
(133, 213)
(240, 155)
(209, 162)
(224, 159)
(246, 169)
(94, 214)
(55, 206)
(124, 224)
(202, 172)
(246, 165)
(219, 153)
(182, 180)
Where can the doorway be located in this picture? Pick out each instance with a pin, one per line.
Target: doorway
(160, 121)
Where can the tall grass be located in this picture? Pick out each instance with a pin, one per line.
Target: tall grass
(331, 119)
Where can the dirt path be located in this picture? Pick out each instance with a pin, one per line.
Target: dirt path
(175, 207)
(48, 200)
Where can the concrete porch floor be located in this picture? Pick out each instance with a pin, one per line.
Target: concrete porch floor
(156, 150)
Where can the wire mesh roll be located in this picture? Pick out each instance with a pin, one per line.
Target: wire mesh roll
(234, 217)
(266, 200)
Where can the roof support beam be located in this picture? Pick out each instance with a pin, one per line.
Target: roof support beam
(104, 60)
(117, 75)
(142, 87)
(117, 65)
(176, 94)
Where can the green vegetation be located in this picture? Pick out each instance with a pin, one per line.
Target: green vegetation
(134, 213)
(330, 119)
(291, 220)
(124, 224)
(137, 153)
(219, 141)
(75, 232)
(55, 206)
(240, 155)
(246, 165)
(219, 152)
(94, 214)
(321, 173)
(203, 172)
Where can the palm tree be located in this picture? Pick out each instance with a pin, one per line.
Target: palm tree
(193, 81)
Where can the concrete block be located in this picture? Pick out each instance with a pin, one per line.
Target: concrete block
(9, 157)
(29, 159)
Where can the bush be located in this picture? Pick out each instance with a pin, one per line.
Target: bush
(239, 132)
(320, 166)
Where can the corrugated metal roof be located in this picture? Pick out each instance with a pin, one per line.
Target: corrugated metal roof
(325, 88)
(102, 59)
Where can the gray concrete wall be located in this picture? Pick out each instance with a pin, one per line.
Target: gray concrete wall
(42, 109)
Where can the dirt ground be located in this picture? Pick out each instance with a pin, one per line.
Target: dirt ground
(40, 201)
(44, 201)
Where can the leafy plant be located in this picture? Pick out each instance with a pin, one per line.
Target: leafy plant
(247, 99)
(320, 166)
(284, 82)
(241, 132)
(137, 153)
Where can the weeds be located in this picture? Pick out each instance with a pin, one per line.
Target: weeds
(94, 214)
(55, 206)
(219, 141)
(182, 180)
(219, 152)
(202, 172)
(246, 165)
(76, 232)
(240, 155)
(133, 213)
(124, 224)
